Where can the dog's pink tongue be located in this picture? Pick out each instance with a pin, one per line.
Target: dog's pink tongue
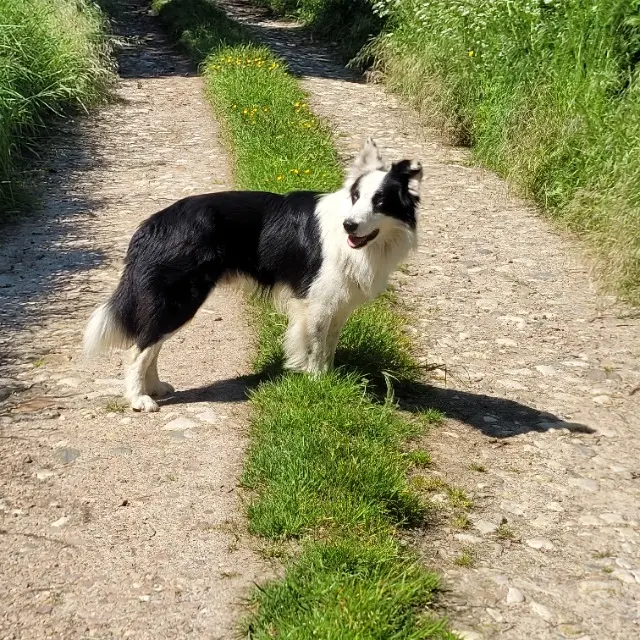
(354, 241)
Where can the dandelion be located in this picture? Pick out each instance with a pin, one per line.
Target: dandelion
(471, 53)
(307, 170)
(279, 178)
(245, 111)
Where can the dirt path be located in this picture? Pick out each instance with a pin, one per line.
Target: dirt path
(115, 524)
(541, 388)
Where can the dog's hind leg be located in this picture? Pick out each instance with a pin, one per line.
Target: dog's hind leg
(136, 378)
(154, 386)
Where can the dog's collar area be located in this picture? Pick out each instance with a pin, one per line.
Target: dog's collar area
(358, 242)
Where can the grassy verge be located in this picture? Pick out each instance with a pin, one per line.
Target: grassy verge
(326, 464)
(52, 60)
(547, 92)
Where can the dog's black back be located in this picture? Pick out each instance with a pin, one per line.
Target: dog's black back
(179, 254)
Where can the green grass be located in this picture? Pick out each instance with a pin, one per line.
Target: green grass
(53, 60)
(548, 93)
(325, 466)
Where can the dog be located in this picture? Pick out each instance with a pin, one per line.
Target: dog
(326, 253)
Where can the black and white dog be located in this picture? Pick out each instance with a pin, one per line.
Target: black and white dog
(327, 253)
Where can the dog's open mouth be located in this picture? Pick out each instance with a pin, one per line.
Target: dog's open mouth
(357, 242)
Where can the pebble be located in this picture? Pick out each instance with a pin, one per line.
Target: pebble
(584, 483)
(468, 538)
(468, 635)
(589, 586)
(623, 575)
(603, 400)
(540, 610)
(484, 526)
(209, 416)
(514, 596)
(495, 614)
(589, 520)
(60, 522)
(512, 385)
(69, 382)
(512, 507)
(539, 543)
(179, 424)
(546, 370)
(506, 342)
(554, 506)
(66, 455)
(612, 518)
(45, 474)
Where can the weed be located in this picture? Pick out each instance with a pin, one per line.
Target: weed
(40, 362)
(419, 458)
(480, 468)
(431, 417)
(505, 532)
(115, 405)
(458, 498)
(607, 569)
(460, 521)
(466, 558)
(430, 484)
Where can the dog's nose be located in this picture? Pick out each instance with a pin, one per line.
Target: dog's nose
(350, 226)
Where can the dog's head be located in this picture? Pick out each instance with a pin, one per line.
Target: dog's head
(381, 200)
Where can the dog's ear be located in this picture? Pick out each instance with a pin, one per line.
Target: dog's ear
(369, 159)
(412, 169)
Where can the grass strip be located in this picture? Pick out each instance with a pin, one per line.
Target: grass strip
(326, 464)
(53, 59)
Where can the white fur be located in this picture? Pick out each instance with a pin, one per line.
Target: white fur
(348, 277)
(103, 333)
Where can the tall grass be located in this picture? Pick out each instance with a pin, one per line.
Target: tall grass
(548, 92)
(325, 463)
(53, 58)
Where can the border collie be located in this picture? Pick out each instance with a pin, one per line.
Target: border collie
(328, 253)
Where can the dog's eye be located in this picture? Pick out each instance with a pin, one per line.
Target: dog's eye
(377, 201)
(355, 196)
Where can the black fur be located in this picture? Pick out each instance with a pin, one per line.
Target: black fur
(393, 197)
(179, 254)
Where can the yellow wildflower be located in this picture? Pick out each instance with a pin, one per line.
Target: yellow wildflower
(471, 54)
(279, 178)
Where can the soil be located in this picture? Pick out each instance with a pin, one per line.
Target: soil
(116, 524)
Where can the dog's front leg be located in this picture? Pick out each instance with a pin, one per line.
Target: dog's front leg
(319, 357)
(335, 329)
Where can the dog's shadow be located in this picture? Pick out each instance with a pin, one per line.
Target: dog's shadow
(494, 416)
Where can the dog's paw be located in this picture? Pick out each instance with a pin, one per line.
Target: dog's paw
(161, 389)
(144, 403)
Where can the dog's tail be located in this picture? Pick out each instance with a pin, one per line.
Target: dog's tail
(105, 331)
